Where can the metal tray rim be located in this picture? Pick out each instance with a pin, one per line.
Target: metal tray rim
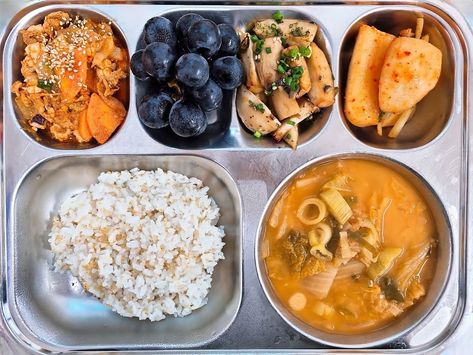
(445, 9)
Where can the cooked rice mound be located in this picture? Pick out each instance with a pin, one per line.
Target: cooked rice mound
(144, 242)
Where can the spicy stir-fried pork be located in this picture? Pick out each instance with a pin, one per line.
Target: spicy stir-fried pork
(73, 69)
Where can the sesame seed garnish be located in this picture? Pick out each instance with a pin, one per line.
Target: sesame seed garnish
(59, 48)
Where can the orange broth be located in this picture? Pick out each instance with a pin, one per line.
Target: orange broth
(407, 223)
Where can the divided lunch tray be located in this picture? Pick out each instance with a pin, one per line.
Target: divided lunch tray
(48, 311)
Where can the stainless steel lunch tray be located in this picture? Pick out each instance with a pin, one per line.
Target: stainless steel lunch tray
(256, 167)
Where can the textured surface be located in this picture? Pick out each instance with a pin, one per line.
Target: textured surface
(160, 248)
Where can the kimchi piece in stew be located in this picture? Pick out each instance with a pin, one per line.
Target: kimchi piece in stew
(350, 246)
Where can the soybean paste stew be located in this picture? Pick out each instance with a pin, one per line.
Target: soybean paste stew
(350, 246)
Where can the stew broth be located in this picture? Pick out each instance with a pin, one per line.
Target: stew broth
(376, 274)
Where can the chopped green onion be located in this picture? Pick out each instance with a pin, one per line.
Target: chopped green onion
(291, 122)
(278, 16)
(258, 107)
(254, 38)
(275, 30)
(281, 69)
(297, 32)
(268, 50)
(293, 52)
(292, 80)
(297, 71)
(44, 84)
(282, 66)
(259, 47)
(305, 51)
(291, 83)
(259, 43)
(257, 134)
(284, 41)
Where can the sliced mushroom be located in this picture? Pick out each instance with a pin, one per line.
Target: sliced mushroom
(267, 28)
(284, 105)
(292, 137)
(248, 59)
(267, 63)
(322, 92)
(306, 109)
(286, 126)
(299, 32)
(304, 83)
(263, 97)
(296, 32)
(256, 121)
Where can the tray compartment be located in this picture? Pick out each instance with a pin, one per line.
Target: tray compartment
(434, 112)
(52, 308)
(18, 54)
(409, 319)
(225, 130)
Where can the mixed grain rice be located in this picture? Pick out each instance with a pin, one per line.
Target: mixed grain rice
(144, 242)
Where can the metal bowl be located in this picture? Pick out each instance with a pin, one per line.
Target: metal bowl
(434, 113)
(52, 311)
(225, 131)
(37, 17)
(407, 321)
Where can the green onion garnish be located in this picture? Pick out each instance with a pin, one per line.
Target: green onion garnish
(284, 41)
(293, 53)
(275, 30)
(259, 43)
(254, 38)
(257, 134)
(305, 51)
(278, 16)
(258, 107)
(44, 84)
